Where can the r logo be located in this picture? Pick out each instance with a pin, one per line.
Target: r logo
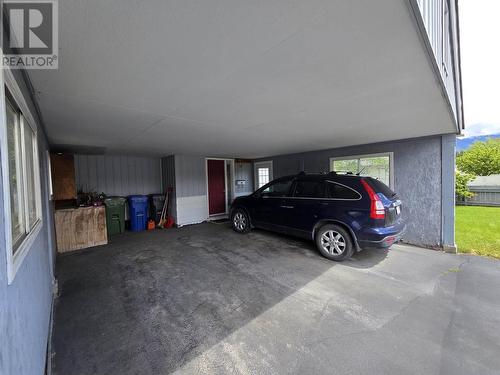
(17, 28)
(30, 39)
(30, 26)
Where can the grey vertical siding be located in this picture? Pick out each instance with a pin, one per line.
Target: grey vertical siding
(417, 179)
(243, 171)
(483, 197)
(168, 171)
(168, 181)
(444, 44)
(190, 172)
(118, 174)
(190, 176)
(25, 305)
(191, 189)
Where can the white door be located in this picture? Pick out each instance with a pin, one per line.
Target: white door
(263, 173)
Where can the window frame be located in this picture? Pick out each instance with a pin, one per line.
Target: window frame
(445, 41)
(390, 154)
(17, 101)
(262, 164)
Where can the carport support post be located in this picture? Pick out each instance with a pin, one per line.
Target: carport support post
(448, 193)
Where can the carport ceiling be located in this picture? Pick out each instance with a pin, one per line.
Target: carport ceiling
(238, 78)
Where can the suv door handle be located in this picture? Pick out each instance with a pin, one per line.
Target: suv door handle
(287, 206)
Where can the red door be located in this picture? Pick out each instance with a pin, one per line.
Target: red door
(216, 187)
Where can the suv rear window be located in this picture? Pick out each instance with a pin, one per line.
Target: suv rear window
(339, 191)
(380, 187)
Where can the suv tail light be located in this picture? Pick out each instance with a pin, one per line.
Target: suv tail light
(377, 210)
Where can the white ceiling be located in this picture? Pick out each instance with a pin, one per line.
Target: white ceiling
(238, 78)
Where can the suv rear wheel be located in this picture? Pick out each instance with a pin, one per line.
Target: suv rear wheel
(334, 242)
(240, 221)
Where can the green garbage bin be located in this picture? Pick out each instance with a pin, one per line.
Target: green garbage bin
(115, 215)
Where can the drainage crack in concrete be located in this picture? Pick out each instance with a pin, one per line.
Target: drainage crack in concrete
(416, 298)
(402, 311)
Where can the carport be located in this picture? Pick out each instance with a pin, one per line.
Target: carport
(233, 84)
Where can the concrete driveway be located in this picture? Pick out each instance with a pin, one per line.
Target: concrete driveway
(205, 300)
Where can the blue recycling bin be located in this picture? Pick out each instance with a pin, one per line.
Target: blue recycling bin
(138, 208)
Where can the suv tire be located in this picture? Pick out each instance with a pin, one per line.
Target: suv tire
(240, 222)
(334, 242)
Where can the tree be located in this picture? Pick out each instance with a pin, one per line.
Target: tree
(481, 159)
(461, 182)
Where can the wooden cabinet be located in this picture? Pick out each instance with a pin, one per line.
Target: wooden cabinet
(79, 228)
(63, 176)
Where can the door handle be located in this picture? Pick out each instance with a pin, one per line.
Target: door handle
(287, 206)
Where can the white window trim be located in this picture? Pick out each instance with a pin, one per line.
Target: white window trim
(389, 154)
(262, 164)
(445, 41)
(14, 261)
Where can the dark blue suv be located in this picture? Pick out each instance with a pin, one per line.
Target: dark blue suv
(341, 213)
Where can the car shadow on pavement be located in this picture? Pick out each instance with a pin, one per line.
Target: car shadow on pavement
(366, 258)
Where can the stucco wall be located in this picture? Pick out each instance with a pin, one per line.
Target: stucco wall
(417, 179)
(25, 305)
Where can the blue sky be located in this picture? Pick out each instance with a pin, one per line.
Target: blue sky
(480, 48)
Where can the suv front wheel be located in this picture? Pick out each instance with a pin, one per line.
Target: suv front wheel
(240, 221)
(334, 242)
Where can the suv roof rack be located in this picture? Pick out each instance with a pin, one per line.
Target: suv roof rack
(347, 173)
(304, 173)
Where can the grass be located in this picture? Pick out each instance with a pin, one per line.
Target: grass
(478, 230)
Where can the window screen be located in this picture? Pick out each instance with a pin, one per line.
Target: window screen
(15, 174)
(23, 169)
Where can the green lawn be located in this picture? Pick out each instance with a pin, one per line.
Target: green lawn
(478, 230)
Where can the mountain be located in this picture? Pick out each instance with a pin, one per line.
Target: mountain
(465, 143)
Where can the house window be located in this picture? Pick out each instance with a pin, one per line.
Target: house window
(263, 176)
(446, 38)
(378, 166)
(23, 171)
(263, 173)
